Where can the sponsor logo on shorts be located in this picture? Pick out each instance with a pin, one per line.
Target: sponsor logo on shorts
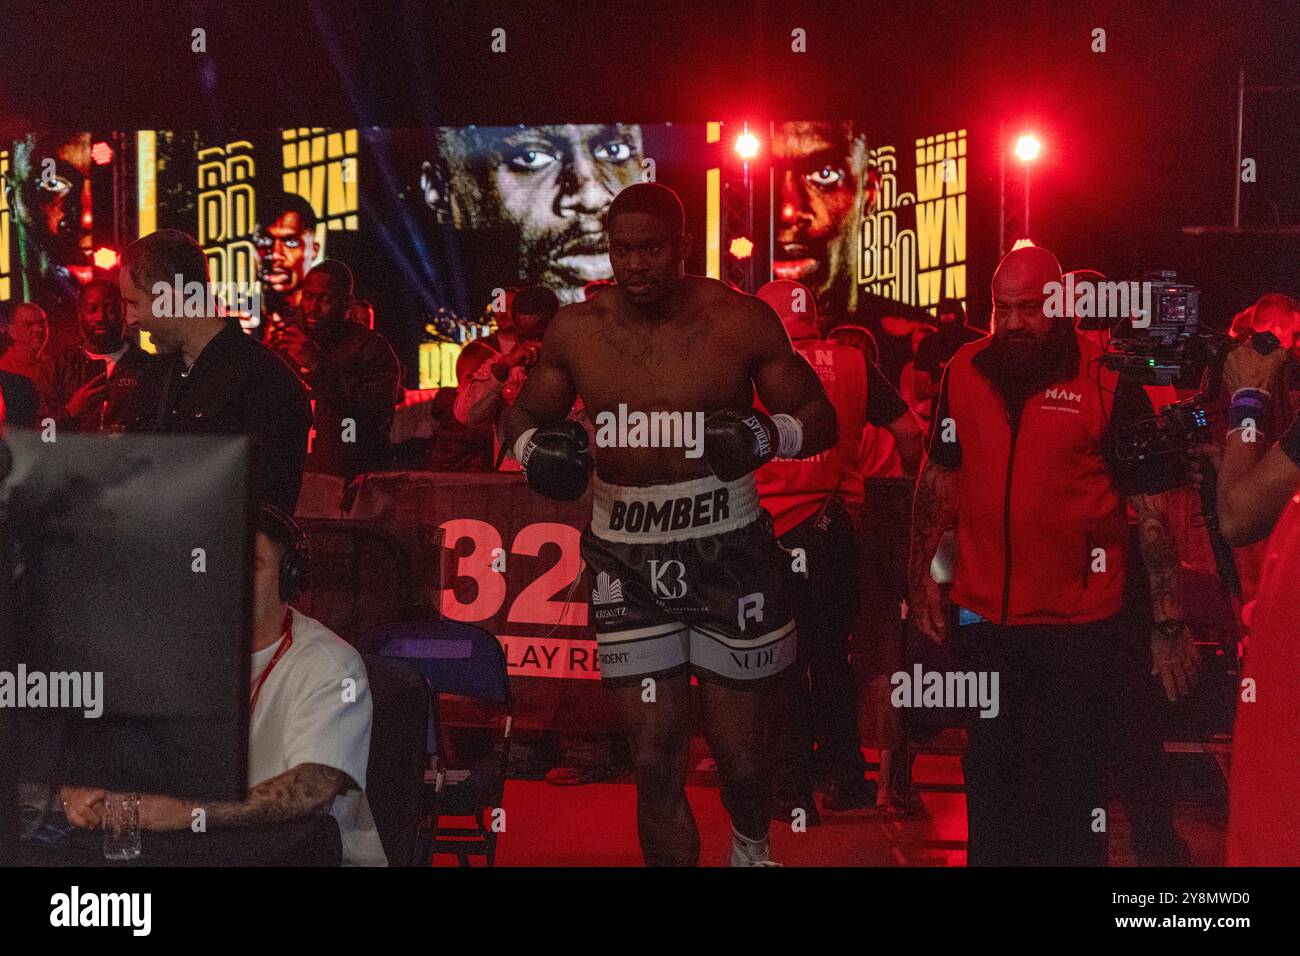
(762, 659)
(674, 514)
(749, 608)
(668, 579)
(607, 591)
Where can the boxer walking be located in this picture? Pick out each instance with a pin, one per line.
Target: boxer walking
(688, 578)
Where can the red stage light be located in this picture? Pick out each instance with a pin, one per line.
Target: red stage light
(105, 258)
(747, 145)
(1028, 148)
(101, 153)
(741, 247)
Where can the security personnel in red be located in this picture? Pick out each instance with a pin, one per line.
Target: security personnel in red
(813, 516)
(1020, 463)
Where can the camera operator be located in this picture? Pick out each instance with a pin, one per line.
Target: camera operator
(1018, 463)
(486, 397)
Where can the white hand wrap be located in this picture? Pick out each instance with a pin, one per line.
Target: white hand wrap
(521, 443)
(789, 435)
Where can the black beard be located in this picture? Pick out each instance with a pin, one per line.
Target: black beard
(1016, 371)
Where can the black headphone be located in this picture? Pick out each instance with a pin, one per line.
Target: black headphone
(295, 563)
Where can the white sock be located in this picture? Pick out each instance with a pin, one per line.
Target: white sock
(747, 852)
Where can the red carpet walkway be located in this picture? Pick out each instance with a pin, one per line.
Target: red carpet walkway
(595, 826)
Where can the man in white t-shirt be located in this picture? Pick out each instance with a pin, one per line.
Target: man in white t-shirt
(309, 736)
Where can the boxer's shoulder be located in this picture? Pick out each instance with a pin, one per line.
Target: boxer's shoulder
(571, 322)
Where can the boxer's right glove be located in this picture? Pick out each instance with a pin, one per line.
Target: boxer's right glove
(556, 460)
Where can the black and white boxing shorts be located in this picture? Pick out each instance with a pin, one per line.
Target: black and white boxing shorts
(687, 576)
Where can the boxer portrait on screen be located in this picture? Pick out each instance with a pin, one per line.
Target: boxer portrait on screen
(549, 186)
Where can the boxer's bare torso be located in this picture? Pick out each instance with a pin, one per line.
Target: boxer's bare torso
(700, 350)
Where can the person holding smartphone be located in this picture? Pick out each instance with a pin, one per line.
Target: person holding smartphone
(93, 381)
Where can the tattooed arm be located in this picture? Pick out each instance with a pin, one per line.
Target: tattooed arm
(934, 510)
(1173, 655)
(305, 790)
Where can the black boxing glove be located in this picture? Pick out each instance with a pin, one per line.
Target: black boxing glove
(736, 443)
(556, 460)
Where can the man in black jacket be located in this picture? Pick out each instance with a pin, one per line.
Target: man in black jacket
(94, 381)
(18, 400)
(211, 378)
(351, 373)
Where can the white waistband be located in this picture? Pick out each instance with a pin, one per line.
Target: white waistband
(656, 514)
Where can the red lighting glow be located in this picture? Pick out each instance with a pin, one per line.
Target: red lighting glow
(747, 145)
(105, 258)
(101, 153)
(1028, 148)
(741, 247)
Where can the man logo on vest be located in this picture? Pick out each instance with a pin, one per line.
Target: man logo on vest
(1062, 400)
(750, 607)
(1063, 395)
(675, 586)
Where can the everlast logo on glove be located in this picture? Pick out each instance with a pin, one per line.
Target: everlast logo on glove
(675, 514)
(760, 435)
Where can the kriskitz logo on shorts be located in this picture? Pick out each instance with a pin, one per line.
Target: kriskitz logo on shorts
(626, 429)
(608, 591)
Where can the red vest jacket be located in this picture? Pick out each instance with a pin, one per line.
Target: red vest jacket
(1041, 531)
(793, 489)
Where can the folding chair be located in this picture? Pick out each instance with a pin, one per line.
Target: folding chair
(364, 574)
(462, 660)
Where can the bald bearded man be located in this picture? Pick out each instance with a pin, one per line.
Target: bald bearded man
(1020, 462)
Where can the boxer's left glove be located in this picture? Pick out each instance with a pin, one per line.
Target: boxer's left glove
(556, 460)
(736, 443)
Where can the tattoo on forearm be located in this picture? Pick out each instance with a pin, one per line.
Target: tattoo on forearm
(306, 789)
(1164, 570)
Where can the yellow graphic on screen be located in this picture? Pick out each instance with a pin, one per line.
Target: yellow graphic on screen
(921, 265)
(4, 228)
(226, 209)
(321, 166)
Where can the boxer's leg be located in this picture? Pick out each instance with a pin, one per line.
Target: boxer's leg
(734, 720)
(659, 734)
